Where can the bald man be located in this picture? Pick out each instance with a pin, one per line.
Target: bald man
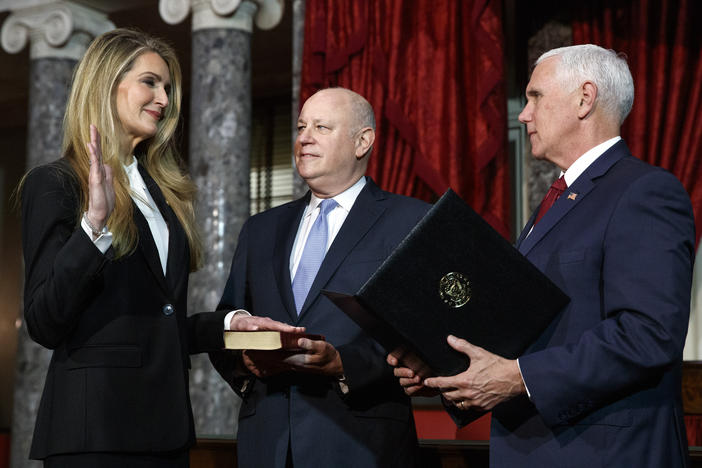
(336, 403)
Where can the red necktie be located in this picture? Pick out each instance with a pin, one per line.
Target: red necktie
(551, 196)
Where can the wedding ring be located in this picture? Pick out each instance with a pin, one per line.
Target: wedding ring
(461, 404)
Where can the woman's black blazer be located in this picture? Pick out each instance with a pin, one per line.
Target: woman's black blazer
(119, 330)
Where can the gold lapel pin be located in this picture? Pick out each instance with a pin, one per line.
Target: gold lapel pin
(572, 196)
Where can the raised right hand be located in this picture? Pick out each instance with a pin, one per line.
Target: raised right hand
(101, 193)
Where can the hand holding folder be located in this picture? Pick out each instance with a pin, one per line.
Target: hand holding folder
(411, 371)
(454, 275)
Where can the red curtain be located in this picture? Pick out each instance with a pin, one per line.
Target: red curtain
(662, 41)
(433, 71)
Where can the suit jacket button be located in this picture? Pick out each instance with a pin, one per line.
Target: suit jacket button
(168, 309)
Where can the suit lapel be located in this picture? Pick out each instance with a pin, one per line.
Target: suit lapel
(147, 246)
(176, 267)
(365, 213)
(526, 229)
(570, 198)
(286, 229)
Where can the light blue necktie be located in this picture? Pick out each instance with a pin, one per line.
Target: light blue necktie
(312, 255)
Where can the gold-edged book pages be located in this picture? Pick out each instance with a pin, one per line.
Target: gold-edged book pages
(265, 340)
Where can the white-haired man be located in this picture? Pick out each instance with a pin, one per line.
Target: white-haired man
(601, 386)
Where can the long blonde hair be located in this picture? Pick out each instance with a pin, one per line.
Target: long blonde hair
(92, 101)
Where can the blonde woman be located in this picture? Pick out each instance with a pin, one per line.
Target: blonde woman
(109, 239)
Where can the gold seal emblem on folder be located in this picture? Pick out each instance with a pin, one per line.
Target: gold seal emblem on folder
(454, 289)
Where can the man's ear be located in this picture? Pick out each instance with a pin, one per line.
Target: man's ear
(364, 142)
(588, 97)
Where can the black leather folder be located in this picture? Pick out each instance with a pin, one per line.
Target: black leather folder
(454, 274)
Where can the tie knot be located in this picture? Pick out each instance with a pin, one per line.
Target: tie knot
(559, 184)
(326, 206)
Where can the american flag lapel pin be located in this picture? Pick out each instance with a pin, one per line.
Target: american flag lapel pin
(572, 196)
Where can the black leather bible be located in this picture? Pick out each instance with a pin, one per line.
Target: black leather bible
(454, 274)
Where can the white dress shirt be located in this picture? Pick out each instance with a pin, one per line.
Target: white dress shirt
(335, 219)
(584, 161)
(147, 206)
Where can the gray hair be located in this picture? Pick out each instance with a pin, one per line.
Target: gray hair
(604, 67)
(361, 110)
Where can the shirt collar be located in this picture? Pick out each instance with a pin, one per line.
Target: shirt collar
(132, 166)
(345, 199)
(584, 161)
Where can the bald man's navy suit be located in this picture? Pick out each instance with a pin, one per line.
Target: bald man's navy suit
(370, 426)
(604, 378)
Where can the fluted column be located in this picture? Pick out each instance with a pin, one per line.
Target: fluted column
(58, 34)
(219, 156)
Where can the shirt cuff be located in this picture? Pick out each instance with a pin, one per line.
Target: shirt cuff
(523, 381)
(103, 242)
(228, 318)
(343, 385)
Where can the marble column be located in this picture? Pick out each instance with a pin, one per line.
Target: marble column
(58, 33)
(298, 44)
(541, 174)
(219, 158)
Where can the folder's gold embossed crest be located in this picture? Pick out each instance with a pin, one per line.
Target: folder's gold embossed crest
(454, 289)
